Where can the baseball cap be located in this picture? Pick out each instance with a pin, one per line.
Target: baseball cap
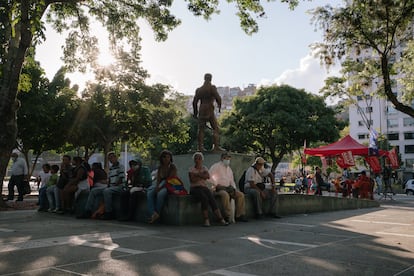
(259, 160)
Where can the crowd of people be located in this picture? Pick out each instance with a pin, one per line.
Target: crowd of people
(59, 187)
(347, 185)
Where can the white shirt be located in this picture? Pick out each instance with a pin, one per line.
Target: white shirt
(19, 167)
(252, 175)
(44, 178)
(222, 175)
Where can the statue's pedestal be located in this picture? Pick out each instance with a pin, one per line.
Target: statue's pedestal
(238, 163)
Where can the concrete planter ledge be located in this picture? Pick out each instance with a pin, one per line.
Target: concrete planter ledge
(184, 210)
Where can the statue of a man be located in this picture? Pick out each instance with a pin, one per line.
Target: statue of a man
(207, 94)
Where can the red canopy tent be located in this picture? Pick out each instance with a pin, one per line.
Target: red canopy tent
(344, 145)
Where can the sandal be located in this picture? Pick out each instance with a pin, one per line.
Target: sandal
(154, 218)
(223, 223)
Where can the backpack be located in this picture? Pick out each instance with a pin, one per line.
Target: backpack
(242, 181)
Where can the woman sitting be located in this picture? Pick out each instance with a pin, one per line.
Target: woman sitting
(198, 175)
(157, 192)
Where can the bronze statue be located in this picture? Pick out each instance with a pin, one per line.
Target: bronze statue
(207, 94)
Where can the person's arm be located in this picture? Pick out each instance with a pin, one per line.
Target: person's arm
(197, 176)
(79, 175)
(146, 178)
(195, 105)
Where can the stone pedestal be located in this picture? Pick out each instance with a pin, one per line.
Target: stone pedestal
(239, 163)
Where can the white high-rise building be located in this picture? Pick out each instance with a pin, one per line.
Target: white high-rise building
(398, 127)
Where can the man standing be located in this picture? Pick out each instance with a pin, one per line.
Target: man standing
(319, 181)
(222, 176)
(19, 173)
(207, 94)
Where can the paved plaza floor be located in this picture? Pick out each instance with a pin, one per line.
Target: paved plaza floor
(378, 241)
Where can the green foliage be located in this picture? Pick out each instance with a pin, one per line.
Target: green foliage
(47, 109)
(369, 33)
(276, 121)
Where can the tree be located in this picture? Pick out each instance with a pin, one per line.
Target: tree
(369, 33)
(277, 120)
(45, 117)
(22, 24)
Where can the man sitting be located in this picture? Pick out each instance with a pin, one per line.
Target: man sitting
(223, 184)
(255, 187)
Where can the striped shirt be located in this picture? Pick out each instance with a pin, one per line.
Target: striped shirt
(116, 175)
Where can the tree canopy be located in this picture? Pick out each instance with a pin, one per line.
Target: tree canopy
(277, 120)
(22, 25)
(368, 37)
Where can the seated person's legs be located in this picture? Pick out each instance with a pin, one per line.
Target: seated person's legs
(161, 196)
(108, 194)
(240, 206)
(257, 201)
(225, 202)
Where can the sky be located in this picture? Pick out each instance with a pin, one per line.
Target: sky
(278, 54)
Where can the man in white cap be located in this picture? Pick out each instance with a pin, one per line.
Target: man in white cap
(222, 176)
(18, 173)
(255, 187)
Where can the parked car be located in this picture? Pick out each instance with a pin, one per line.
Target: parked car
(409, 187)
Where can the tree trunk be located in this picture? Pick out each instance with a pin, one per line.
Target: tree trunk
(10, 72)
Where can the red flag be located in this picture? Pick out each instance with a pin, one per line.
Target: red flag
(340, 162)
(348, 158)
(373, 163)
(392, 155)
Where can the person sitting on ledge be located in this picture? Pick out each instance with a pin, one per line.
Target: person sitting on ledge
(224, 186)
(157, 192)
(140, 179)
(198, 175)
(257, 190)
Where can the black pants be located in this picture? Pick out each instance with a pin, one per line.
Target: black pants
(16, 180)
(129, 203)
(205, 196)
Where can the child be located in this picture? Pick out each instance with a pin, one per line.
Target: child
(52, 189)
(42, 179)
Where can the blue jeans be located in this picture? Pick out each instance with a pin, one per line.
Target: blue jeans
(51, 198)
(107, 195)
(155, 200)
(95, 195)
(43, 203)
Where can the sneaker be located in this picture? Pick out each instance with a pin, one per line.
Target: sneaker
(50, 210)
(59, 211)
(241, 218)
(154, 218)
(223, 223)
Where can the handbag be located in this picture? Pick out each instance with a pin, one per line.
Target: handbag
(261, 186)
(26, 187)
(175, 186)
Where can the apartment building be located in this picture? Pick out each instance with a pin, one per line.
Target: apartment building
(386, 120)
